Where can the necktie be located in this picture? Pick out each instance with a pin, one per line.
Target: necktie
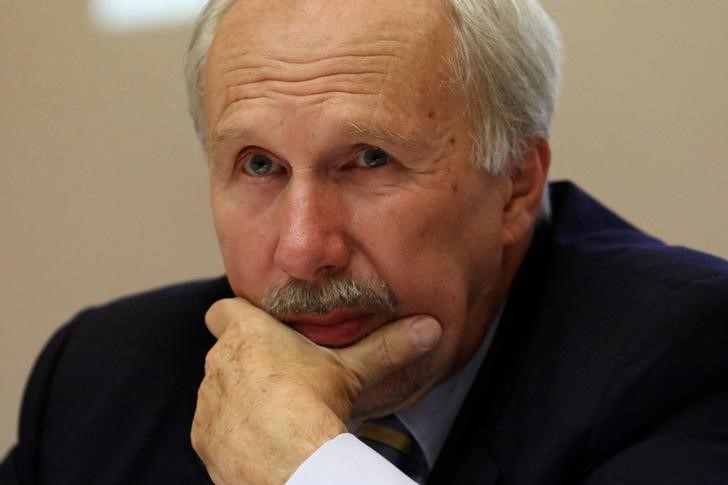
(389, 437)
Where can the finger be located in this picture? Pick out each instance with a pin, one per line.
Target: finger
(223, 313)
(391, 347)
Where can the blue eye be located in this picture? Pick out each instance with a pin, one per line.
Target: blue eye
(260, 165)
(374, 157)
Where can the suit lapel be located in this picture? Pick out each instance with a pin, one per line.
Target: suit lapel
(478, 467)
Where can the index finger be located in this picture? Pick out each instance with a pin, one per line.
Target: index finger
(224, 313)
(390, 348)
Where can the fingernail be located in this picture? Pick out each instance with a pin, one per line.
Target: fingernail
(426, 332)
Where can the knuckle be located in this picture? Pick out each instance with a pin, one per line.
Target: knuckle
(212, 361)
(196, 437)
(198, 433)
(216, 361)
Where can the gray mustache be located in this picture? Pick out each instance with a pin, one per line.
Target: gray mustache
(302, 298)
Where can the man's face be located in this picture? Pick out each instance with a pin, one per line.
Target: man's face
(338, 151)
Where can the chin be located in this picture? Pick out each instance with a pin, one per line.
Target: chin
(398, 391)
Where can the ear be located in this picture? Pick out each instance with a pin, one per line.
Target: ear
(527, 186)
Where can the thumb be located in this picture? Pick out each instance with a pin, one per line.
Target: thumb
(391, 347)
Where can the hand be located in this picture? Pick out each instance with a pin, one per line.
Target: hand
(271, 397)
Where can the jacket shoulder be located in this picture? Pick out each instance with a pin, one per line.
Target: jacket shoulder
(113, 394)
(610, 340)
(146, 328)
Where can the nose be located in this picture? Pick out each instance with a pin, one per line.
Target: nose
(312, 241)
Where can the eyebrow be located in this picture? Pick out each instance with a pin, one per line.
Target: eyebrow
(375, 133)
(381, 134)
(371, 132)
(223, 135)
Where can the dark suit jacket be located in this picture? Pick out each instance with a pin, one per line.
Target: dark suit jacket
(610, 366)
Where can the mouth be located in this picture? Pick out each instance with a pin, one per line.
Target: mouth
(338, 328)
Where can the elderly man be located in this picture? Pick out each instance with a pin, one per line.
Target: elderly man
(395, 269)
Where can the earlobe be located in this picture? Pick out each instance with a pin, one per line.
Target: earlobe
(527, 185)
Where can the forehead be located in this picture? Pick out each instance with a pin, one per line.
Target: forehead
(381, 65)
(320, 23)
(408, 38)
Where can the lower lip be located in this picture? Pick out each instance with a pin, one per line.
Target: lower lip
(340, 334)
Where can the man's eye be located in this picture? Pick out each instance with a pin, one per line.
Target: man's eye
(260, 165)
(373, 157)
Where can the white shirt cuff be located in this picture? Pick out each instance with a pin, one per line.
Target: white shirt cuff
(345, 460)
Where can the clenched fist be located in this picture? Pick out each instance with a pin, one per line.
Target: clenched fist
(271, 397)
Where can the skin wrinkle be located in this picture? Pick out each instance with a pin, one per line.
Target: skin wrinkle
(320, 212)
(275, 220)
(269, 88)
(264, 80)
(317, 96)
(332, 68)
(417, 175)
(373, 134)
(222, 135)
(281, 61)
(356, 55)
(265, 83)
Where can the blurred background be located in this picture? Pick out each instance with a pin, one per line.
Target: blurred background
(103, 187)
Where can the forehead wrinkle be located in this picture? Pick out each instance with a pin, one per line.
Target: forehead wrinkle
(363, 82)
(314, 91)
(238, 97)
(228, 127)
(251, 76)
(255, 70)
(249, 69)
(258, 67)
(359, 48)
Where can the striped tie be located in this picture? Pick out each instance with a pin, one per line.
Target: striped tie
(389, 437)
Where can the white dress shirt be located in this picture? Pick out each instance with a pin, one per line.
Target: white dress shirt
(344, 460)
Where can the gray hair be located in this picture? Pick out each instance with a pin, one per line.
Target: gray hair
(507, 59)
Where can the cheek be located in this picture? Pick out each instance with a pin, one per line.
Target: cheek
(434, 251)
(424, 275)
(442, 257)
(244, 249)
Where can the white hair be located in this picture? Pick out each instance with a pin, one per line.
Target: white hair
(507, 59)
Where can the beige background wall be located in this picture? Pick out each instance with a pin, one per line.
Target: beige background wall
(103, 191)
